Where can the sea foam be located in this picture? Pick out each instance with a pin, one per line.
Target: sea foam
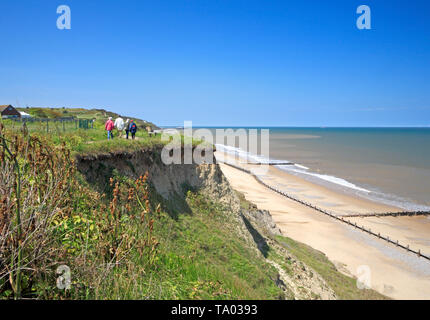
(297, 168)
(326, 180)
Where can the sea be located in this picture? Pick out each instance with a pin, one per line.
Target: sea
(386, 165)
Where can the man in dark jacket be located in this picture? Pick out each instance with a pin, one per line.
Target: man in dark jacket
(132, 129)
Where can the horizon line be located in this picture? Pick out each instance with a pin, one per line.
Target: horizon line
(313, 127)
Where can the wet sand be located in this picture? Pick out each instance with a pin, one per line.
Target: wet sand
(394, 272)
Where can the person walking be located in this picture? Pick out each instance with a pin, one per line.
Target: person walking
(132, 128)
(127, 130)
(109, 125)
(119, 125)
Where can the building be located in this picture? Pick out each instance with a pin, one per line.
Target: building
(8, 111)
(24, 115)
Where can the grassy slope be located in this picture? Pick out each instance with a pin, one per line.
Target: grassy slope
(344, 286)
(202, 257)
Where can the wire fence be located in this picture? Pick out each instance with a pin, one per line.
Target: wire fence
(58, 125)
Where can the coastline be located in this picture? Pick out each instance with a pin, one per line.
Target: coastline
(394, 272)
(364, 162)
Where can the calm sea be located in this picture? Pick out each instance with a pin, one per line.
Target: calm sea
(389, 165)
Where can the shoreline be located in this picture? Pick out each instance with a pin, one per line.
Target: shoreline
(376, 181)
(394, 272)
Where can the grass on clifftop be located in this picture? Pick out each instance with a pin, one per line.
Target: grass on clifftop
(94, 142)
(90, 142)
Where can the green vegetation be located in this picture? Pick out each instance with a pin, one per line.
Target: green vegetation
(198, 258)
(93, 142)
(344, 286)
(205, 258)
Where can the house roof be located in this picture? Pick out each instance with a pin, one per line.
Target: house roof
(4, 107)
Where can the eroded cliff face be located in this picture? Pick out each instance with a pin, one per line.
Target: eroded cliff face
(168, 180)
(255, 226)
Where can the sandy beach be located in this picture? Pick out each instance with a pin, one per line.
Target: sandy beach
(395, 272)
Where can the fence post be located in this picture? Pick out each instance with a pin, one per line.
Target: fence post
(47, 126)
(64, 129)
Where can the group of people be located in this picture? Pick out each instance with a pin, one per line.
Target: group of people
(129, 126)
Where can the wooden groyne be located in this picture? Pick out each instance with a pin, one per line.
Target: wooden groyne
(340, 218)
(388, 214)
(272, 163)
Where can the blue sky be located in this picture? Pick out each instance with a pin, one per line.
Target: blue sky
(226, 63)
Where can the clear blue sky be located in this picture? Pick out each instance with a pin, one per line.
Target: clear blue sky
(229, 62)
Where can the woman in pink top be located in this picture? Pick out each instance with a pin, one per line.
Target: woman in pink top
(109, 127)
